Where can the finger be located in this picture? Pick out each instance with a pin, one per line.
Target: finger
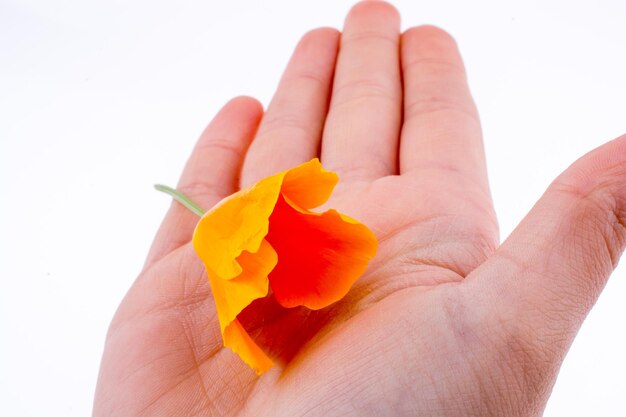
(211, 173)
(441, 151)
(441, 130)
(361, 133)
(541, 283)
(292, 126)
(440, 120)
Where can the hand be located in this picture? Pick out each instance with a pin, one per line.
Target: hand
(445, 322)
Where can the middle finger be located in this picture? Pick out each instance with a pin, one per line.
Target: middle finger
(360, 139)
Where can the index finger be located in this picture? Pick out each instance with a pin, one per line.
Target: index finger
(211, 173)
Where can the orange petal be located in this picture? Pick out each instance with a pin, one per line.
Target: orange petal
(311, 259)
(233, 295)
(308, 185)
(320, 256)
(230, 240)
(236, 338)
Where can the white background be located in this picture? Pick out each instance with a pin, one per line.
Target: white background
(99, 100)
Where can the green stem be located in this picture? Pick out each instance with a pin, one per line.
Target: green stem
(182, 199)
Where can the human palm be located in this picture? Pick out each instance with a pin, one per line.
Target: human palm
(444, 322)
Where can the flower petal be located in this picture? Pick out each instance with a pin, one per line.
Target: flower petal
(229, 239)
(232, 296)
(236, 338)
(308, 185)
(320, 256)
(238, 223)
(267, 231)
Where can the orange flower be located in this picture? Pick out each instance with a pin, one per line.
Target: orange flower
(266, 236)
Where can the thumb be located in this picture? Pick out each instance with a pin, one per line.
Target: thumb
(541, 283)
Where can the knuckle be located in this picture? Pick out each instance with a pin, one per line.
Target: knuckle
(432, 68)
(430, 104)
(361, 171)
(598, 219)
(203, 191)
(368, 38)
(220, 145)
(300, 80)
(365, 88)
(289, 124)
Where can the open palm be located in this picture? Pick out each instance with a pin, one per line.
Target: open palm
(445, 322)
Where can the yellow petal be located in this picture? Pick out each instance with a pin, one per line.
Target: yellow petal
(238, 223)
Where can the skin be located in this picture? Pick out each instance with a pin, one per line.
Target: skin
(445, 322)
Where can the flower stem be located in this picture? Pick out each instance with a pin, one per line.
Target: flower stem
(182, 199)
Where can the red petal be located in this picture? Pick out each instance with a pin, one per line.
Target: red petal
(320, 256)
